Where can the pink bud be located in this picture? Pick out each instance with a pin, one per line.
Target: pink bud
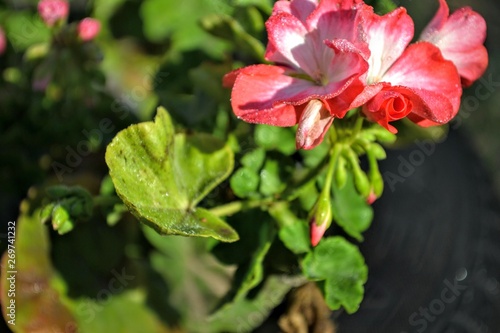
(88, 29)
(371, 197)
(52, 11)
(316, 232)
(3, 41)
(320, 218)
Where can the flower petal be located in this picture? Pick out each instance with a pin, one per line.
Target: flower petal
(298, 8)
(390, 104)
(261, 92)
(288, 44)
(387, 36)
(337, 19)
(460, 38)
(429, 76)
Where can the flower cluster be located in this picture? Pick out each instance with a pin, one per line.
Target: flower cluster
(335, 55)
(53, 12)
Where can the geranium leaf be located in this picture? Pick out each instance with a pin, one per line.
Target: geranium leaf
(161, 177)
(342, 266)
(350, 210)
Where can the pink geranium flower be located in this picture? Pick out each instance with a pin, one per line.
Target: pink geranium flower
(406, 81)
(3, 41)
(460, 38)
(52, 11)
(317, 50)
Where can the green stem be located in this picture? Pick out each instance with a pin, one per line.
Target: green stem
(358, 125)
(236, 206)
(337, 149)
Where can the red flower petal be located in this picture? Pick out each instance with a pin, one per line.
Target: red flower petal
(433, 80)
(460, 38)
(387, 36)
(390, 104)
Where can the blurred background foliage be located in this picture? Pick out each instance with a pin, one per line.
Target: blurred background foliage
(54, 95)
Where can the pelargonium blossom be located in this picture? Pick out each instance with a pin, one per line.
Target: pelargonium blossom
(88, 29)
(336, 55)
(52, 11)
(317, 51)
(413, 81)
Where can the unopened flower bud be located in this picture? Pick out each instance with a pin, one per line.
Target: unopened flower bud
(372, 197)
(3, 41)
(313, 125)
(88, 29)
(320, 219)
(53, 11)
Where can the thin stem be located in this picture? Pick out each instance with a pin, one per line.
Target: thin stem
(337, 149)
(236, 206)
(358, 125)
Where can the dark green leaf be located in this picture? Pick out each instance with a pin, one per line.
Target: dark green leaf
(350, 210)
(342, 266)
(275, 138)
(245, 182)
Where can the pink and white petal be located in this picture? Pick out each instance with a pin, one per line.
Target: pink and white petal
(288, 44)
(298, 8)
(471, 66)
(461, 39)
(464, 29)
(336, 19)
(344, 62)
(437, 22)
(435, 80)
(258, 92)
(313, 125)
(387, 37)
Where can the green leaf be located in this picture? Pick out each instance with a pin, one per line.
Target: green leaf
(272, 180)
(296, 237)
(180, 21)
(275, 138)
(125, 313)
(161, 177)
(342, 266)
(245, 182)
(228, 28)
(350, 210)
(293, 232)
(245, 314)
(254, 159)
(255, 271)
(25, 29)
(194, 280)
